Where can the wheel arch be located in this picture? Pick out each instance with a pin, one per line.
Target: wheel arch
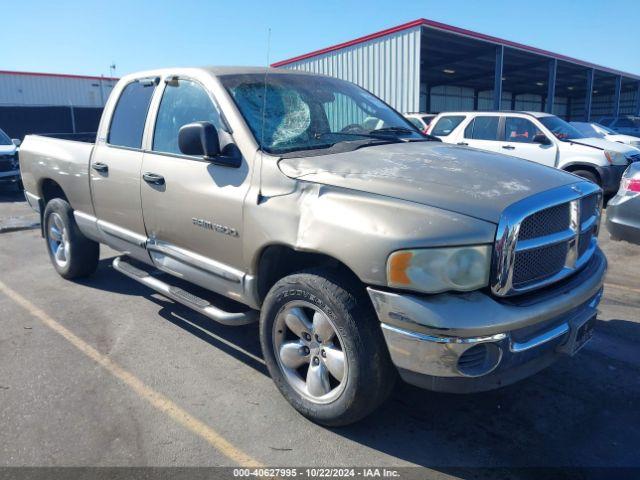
(573, 167)
(276, 261)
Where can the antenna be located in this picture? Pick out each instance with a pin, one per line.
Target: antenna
(264, 114)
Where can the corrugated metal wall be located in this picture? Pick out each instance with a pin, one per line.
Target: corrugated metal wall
(387, 66)
(44, 90)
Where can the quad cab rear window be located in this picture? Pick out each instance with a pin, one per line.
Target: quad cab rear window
(130, 114)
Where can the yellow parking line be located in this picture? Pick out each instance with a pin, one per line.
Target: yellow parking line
(622, 287)
(157, 400)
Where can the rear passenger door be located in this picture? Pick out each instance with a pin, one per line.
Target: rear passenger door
(194, 216)
(115, 171)
(483, 133)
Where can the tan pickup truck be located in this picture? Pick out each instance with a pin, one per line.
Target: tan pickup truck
(364, 248)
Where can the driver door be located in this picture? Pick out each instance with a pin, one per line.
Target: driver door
(518, 142)
(192, 208)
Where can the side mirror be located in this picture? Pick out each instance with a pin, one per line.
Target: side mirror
(16, 141)
(201, 139)
(542, 139)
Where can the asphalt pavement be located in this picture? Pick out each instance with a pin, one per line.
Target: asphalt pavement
(104, 372)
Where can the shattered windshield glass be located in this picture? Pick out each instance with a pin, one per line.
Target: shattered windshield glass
(294, 112)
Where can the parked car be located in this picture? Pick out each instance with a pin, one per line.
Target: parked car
(627, 125)
(539, 137)
(623, 210)
(9, 164)
(362, 252)
(420, 120)
(595, 130)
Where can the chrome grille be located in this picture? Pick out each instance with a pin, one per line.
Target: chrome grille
(538, 263)
(545, 238)
(545, 222)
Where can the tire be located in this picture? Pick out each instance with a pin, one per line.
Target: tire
(368, 376)
(72, 254)
(588, 175)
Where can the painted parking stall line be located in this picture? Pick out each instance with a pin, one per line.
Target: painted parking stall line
(154, 398)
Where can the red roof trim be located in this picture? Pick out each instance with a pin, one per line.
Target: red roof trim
(60, 75)
(460, 31)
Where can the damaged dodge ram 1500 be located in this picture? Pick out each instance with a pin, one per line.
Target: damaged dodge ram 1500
(363, 247)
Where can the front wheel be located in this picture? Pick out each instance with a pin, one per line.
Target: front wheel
(588, 175)
(324, 348)
(72, 254)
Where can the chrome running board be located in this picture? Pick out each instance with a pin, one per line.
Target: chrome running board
(183, 297)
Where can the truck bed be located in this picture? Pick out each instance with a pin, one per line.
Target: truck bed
(45, 159)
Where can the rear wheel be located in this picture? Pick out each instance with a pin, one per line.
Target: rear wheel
(324, 348)
(72, 254)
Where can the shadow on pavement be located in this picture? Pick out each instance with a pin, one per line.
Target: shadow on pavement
(581, 412)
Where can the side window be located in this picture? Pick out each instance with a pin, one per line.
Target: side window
(446, 125)
(483, 128)
(183, 102)
(519, 130)
(130, 114)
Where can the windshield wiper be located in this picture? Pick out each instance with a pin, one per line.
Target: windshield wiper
(391, 130)
(319, 135)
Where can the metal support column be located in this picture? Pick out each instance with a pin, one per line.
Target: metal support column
(497, 81)
(589, 94)
(551, 85)
(616, 96)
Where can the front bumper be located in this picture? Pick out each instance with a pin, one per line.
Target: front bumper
(610, 177)
(473, 342)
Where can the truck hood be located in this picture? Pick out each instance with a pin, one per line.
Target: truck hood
(460, 179)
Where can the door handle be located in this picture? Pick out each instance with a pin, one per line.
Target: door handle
(100, 167)
(463, 143)
(508, 147)
(153, 178)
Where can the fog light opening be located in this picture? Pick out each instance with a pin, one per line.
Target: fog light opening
(479, 360)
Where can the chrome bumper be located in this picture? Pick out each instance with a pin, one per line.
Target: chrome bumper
(474, 335)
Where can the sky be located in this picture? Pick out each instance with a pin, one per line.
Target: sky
(86, 37)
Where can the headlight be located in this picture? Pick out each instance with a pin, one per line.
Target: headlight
(434, 270)
(615, 158)
(635, 144)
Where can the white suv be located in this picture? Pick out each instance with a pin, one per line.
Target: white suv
(539, 137)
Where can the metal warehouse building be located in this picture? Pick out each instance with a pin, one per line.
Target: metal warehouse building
(428, 66)
(51, 103)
